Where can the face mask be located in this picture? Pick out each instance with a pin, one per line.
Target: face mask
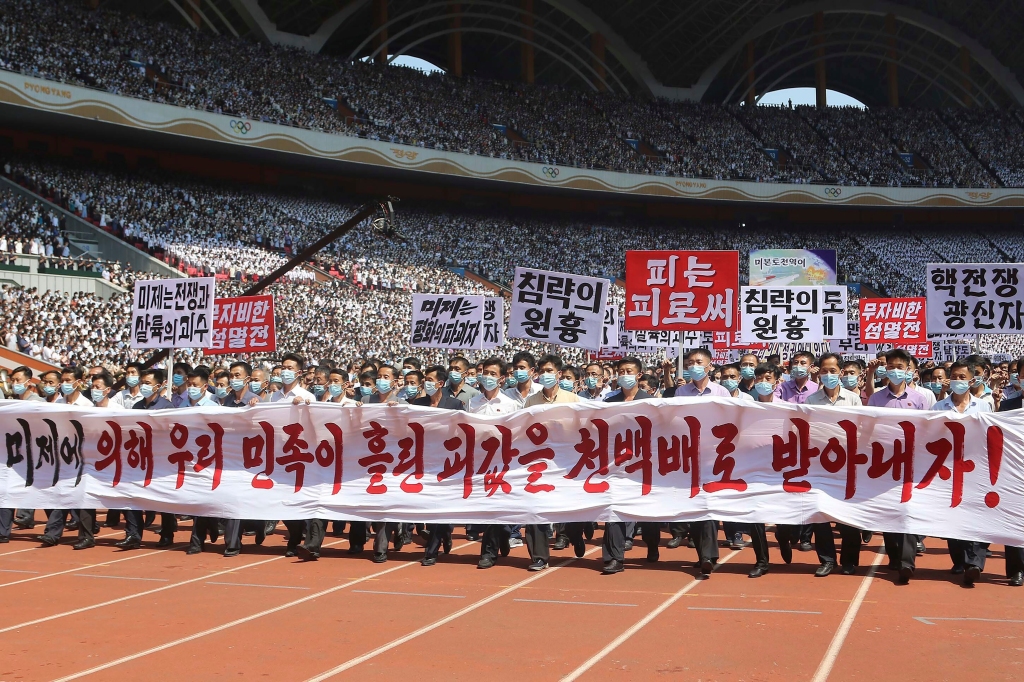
(405, 370)
(959, 386)
(366, 390)
(237, 384)
(288, 376)
(489, 383)
(255, 386)
(850, 381)
(132, 380)
(785, 377)
(178, 380)
(195, 393)
(1015, 380)
(747, 372)
(222, 392)
(730, 384)
(566, 384)
(829, 381)
(879, 372)
(934, 386)
(764, 388)
(146, 390)
(454, 378)
(988, 389)
(98, 394)
(627, 381)
(521, 375)
(336, 390)
(698, 372)
(591, 383)
(412, 391)
(67, 389)
(18, 389)
(510, 382)
(798, 371)
(318, 390)
(383, 385)
(896, 376)
(548, 379)
(471, 381)
(430, 387)
(275, 379)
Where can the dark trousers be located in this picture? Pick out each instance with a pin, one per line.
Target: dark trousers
(233, 529)
(732, 529)
(1014, 560)
(573, 531)
(494, 540)
(439, 534)
(678, 529)
(56, 518)
(384, 531)
(536, 537)
(134, 523)
(966, 553)
(296, 528)
(901, 549)
(316, 530)
(759, 539)
(202, 526)
(113, 517)
(6, 519)
(705, 539)
(26, 516)
(357, 534)
(613, 548)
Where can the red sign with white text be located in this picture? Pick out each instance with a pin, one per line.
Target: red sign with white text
(243, 324)
(682, 290)
(899, 321)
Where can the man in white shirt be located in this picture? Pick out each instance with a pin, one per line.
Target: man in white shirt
(731, 380)
(72, 379)
(291, 369)
(524, 365)
(127, 397)
(594, 387)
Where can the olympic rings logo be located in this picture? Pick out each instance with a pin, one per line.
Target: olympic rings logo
(550, 172)
(240, 127)
(833, 192)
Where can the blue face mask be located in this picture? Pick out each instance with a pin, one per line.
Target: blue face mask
(785, 377)
(959, 386)
(405, 370)
(798, 371)
(195, 393)
(764, 388)
(67, 388)
(255, 386)
(18, 389)
(454, 378)
(366, 390)
(879, 372)
(275, 379)
(566, 385)
(471, 380)
(288, 376)
(132, 380)
(411, 391)
(1015, 380)
(49, 390)
(591, 383)
(430, 387)
(318, 390)
(686, 375)
(829, 381)
(627, 381)
(896, 376)
(548, 380)
(730, 384)
(98, 394)
(933, 386)
(747, 372)
(698, 372)
(237, 384)
(178, 380)
(221, 391)
(850, 381)
(489, 383)
(146, 390)
(336, 390)
(521, 375)
(510, 382)
(383, 385)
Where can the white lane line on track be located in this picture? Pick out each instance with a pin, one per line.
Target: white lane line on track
(32, 549)
(120, 577)
(575, 603)
(721, 608)
(140, 555)
(279, 587)
(412, 594)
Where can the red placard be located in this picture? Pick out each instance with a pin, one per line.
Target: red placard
(682, 290)
(899, 321)
(243, 324)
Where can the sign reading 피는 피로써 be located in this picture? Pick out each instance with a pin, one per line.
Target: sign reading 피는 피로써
(681, 290)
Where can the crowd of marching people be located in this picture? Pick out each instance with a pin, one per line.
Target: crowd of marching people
(127, 55)
(496, 385)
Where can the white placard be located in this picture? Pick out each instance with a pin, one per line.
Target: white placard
(558, 308)
(494, 321)
(447, 321)
(173, 313)
(975, 298)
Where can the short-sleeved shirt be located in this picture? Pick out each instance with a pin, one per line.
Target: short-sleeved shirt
(789, 392)
(844, 398)
(561, 396)
(231, 399)
(125, 399)
(295, 392)
(499, 404)
(513, 393)
(975, 405)
(465, 394)
(690, 390)
(908, 400)
(618, 396)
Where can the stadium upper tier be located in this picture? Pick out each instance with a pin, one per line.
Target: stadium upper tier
(883, 147)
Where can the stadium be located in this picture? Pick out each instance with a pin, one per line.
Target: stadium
(401, 207)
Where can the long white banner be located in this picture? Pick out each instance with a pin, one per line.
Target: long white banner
(930, 473)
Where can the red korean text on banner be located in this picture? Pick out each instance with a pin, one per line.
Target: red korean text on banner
(899, 321)
(682, 290)
(243, 324)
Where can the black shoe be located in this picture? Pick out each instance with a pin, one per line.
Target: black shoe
(866, 535)
(579, 548)
(249, 533)
(786, 550)
(504, 548)
(805, 547)
(288, 553)
(260, 538)
(919, 548)
(428, 561)
(653, 555)
(424, 534)
(1017, 579)
(906, 574)
(537, 565)
(972, 574)
(194, 550)
(165, 541)
(446, 544)
(674, 542)
(848, 570)
(957, 570)
(355, 549)
(48, 540)
(629, 545)
(70, 525)
(96, 529)
(406, 538)
(689, 543)
(399, 541)
(379, 557)
(27, 524)
(561, 543)
(235, 552)
(613, 566)
(84, 543)
(474, 537)
(306, 554)
(269, 527)
(757, 571)
(893, 565)
(130, 542)
(706, 567)
(4, 540)
(486, 562)
(824, 570)
(737, 544)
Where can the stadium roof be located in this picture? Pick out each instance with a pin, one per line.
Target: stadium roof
(936, 52)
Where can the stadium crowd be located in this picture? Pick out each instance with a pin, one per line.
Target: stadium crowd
(125, 54)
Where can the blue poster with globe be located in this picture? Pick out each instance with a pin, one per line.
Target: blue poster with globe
(792, 267)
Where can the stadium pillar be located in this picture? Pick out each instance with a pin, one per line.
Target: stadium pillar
(455, 41)
(751, 95)
(380, 17)
(819, 60)
(597, 49)
(892, 72)
(965, 69)
(526, 61)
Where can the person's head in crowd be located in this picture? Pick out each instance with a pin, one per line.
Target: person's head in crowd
(649, 384)
(413, 384)
(151, 383)
(800, 366)
(961, 377)
(852, 375)
(747, 364)
(21, 382)
(240, 373)
(321, 377)
(337, 383)
(938, 381)
(492, 369)
(179, 376)
(981, 369)
(549, 367)
(100, 387)
(292, 365)
(570, 380)
(899, 369)
(132, 373)
(258, 381)
(458, 369)
(71, 382)
(411, 363)
(731, 377)
(386, 381)
(275, 377)
(629, 369)
(49, 385)
(434, 379)
(830, 368)
(593, 378)
(766, 376)
(698, 363)
(198, 383)
(221, 384)
(524, 365)
(367, 383)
